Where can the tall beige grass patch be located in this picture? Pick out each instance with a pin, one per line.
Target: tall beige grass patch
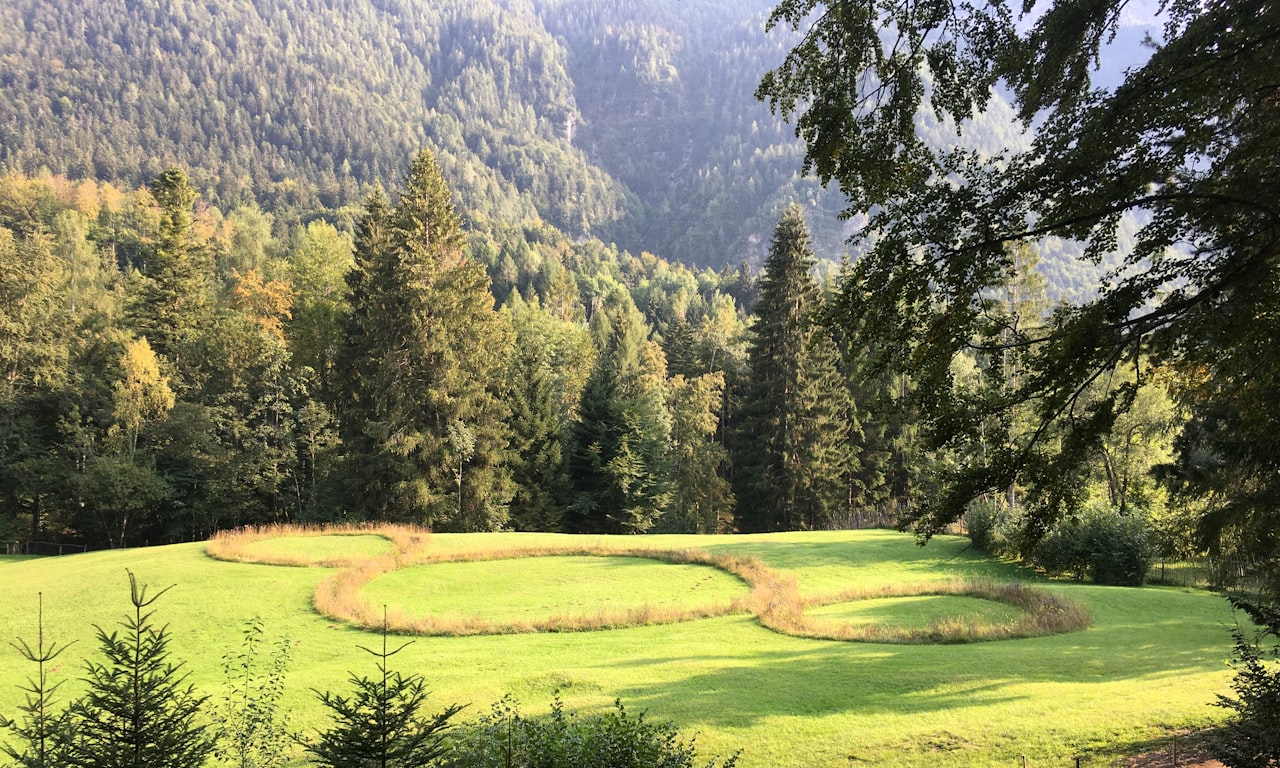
(1042, 613)
(407, 542)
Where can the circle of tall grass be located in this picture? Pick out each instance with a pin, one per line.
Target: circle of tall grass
(772, 597)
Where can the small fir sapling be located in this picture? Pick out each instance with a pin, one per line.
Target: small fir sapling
(42, 733)
(137, 712)
(382, 724)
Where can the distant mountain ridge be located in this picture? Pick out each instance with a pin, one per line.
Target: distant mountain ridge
(634, 121)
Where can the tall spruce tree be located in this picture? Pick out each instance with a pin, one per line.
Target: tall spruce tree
(790, 446)
(617, 454)
(537, 437)
(419, 358)
(544, 377)
(174, 300)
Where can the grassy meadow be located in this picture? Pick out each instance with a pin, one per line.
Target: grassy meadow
(1149, 665)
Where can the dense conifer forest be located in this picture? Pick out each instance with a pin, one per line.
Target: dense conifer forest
(173, 369)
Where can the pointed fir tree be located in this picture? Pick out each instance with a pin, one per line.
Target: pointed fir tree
(137, 713)
(382, 723)
(593, 441)
(174, 300)
(537, 441)
(824, 457)
(789, 449)
(680, 347)
(414, 363)
(42, 734)
(618, 444)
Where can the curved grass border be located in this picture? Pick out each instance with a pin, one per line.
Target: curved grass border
(773, 598)
(338, 596)
(1043, 613)
(232, 546)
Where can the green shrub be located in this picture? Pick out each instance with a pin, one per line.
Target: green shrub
(1251, 737)
(984, 521)
(253, 732)
(506, 739)
(1121, 549)
(1064, 551)
(1103, 544)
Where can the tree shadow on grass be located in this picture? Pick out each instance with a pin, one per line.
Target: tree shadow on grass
(814, 683)
(736, 690)
(894, 551)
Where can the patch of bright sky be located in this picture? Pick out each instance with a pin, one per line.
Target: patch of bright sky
(1136, 13)
(1141, 13)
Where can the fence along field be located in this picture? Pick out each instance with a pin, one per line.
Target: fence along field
(1148, 666)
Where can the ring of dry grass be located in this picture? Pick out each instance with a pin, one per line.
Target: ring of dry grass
(774, 598)
(406, 541)
(338, 596)
(1042, 613)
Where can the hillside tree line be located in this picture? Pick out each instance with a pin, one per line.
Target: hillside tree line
(172, 370)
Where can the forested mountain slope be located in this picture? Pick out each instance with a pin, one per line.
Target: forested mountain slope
(634, 122)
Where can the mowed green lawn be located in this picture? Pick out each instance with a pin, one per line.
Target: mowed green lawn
(1151, 663)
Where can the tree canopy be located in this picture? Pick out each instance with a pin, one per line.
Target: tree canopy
(1184, 148)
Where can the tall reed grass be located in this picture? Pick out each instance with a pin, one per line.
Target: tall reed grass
(234, 545)
(1042, 613)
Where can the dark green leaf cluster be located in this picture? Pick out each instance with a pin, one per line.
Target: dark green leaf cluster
(1169, 177)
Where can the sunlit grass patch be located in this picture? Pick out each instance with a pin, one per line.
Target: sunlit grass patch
(916, 610)
(501, 592)
(344, 595)
(331, 549)
(1151, 663)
